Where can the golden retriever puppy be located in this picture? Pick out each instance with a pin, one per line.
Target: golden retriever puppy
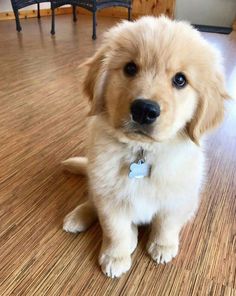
(156, 86)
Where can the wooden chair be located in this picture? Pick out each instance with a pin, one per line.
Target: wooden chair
(91, 5)
(18, 4)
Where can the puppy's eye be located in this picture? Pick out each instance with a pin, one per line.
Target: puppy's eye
(179, 80)
(131, 69)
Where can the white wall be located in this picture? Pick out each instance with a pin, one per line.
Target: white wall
(207, 12)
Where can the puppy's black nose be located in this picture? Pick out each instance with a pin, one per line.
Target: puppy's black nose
(144, 111)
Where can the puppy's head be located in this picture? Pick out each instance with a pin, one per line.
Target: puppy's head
(155, 78)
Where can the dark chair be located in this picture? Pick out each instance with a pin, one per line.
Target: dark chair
(18, 4)
(91, 5)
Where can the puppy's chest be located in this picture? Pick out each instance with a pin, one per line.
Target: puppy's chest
(116, 174)
(112, 182)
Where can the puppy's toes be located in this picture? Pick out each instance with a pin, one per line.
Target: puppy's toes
(80, 218)
(73, 223)
(114, 266)
(162, 254)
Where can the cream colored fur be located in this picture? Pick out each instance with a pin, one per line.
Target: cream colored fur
(170, 196)
(76, 165)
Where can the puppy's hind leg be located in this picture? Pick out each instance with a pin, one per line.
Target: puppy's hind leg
(80, 218)
(76, 165)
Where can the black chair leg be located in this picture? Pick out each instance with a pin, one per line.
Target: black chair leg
(38, 10)
(129, 14)
(18, 26)
(74, 13)
(53, 22)
(94, 36)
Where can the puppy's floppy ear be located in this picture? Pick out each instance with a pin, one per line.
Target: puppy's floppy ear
(210, 110)
(94, 81)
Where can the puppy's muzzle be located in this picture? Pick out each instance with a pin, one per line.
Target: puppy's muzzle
(144, 111)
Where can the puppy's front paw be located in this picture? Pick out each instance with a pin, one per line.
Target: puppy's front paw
(114, 266)
(162, 254)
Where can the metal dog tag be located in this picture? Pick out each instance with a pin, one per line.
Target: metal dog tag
(139, 170)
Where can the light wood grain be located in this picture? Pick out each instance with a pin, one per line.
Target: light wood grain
(234, 25)
(43, 121)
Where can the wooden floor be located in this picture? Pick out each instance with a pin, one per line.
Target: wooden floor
(43, 121)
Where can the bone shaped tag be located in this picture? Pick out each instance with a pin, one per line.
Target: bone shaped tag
(139, 170)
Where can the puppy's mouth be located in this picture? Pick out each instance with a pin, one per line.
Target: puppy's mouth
(134, 129)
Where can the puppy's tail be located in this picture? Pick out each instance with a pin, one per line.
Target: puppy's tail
(76, 165)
